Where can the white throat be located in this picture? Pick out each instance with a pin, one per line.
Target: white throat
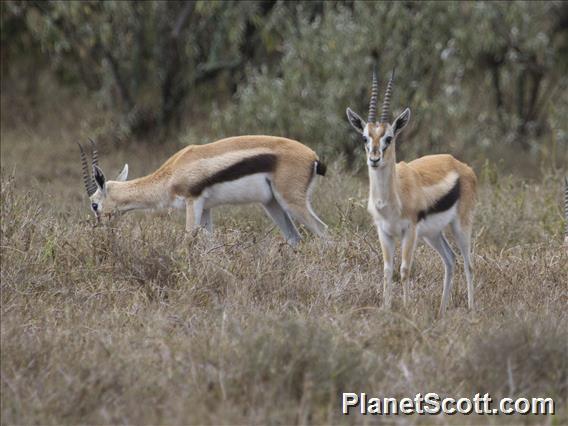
(383, 187)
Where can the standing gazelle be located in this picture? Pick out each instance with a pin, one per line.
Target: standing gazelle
(415, 200)
(276, 172)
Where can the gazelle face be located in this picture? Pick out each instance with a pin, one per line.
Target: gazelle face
(97, 204)
(102, 203)
(98, 189)
(96, 184)
(379, 138)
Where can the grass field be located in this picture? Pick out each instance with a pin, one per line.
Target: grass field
(139, 323)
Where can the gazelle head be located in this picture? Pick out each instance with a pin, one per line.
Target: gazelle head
(379, 137)
(97, 186)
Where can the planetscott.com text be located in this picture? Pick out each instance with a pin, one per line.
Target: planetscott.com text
(432, 403)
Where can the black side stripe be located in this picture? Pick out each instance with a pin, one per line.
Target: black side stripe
(444, 203)
(261, 163)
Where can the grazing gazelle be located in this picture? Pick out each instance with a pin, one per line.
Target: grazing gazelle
(276, 172)
(415, 200)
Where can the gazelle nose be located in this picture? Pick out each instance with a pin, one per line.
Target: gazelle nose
(374, 162)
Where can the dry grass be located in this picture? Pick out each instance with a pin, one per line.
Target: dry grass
(137, 323)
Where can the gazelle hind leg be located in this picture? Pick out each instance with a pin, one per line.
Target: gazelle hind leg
(303, 215)
(311, 212)
(298, 205)
(440, 244)
(206, 220)
(282, 220)
(463, 240)
(315, 217)
(296, 202)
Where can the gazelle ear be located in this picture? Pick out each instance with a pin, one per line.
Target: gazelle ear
(401, 121)
(99, 177)
(123, 175)
(356, 122)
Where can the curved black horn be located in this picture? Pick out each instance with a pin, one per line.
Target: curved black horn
(90, 186)
(94, 152)
(94, 162)
(374, 96)
(385, 113)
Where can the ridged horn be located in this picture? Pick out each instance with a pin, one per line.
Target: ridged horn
(374, 96)
(94, 152)
(90, 186)
(385, 113)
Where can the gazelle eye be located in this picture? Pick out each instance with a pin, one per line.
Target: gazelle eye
(94, 206)
(388, 140)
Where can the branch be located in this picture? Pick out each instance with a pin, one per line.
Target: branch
(209, 70)
(535, 91)
(172, 95)
(182, 19)
(120, 84)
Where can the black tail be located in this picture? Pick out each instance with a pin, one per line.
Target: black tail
(321, 168)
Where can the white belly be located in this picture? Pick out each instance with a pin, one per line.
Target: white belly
(178, 203)
(249, 189)
(434, 223)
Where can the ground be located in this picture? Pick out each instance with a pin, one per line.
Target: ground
(139, 323)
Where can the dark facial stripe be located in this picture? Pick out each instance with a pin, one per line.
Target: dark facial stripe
(262, 163)
(444, 203)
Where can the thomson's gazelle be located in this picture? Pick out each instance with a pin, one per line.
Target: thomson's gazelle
(415, 200)
(276, 172)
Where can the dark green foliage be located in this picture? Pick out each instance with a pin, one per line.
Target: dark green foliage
(473, 74)
(143, 59)
(476, 76)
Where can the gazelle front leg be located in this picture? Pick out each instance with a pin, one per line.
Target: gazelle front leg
(387, 246)
(408, 248)
(189, 215)
(196, 215)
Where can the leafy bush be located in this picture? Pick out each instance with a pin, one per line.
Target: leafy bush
(473, 74)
